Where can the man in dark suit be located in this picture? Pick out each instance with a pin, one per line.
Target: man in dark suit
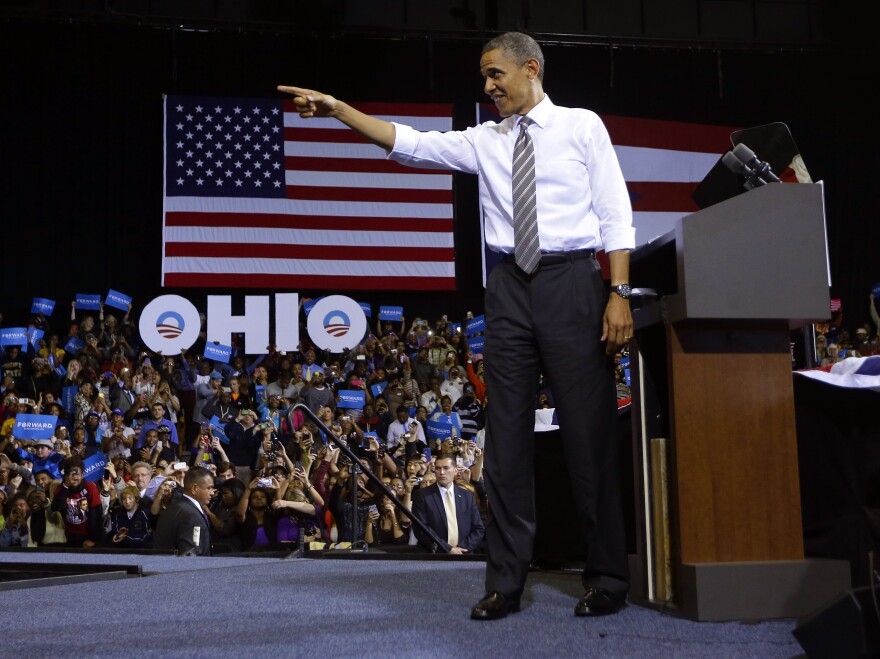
(450, 511)
(183, 525)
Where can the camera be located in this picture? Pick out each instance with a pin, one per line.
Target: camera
(264, 482)
(272, 455)
(342, 461)
(419, 479)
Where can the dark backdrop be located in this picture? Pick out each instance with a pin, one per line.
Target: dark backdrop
(82, 135)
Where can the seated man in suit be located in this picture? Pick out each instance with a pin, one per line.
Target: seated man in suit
(183, 525)
(449, 510)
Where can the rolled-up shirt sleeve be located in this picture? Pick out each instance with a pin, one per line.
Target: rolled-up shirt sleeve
(433, 149)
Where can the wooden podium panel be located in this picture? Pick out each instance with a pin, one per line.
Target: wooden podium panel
(735, 490)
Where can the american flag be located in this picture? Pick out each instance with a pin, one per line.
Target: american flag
(257, 197)
(663, 162)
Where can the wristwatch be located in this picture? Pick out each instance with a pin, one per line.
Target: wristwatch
(622, 290)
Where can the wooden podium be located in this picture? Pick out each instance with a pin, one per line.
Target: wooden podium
(712, 378)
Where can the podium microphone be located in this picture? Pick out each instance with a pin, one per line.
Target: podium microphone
(742, 160)
(761, 169)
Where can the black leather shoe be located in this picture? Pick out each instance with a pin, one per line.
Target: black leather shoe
(598, 602)
(494, 606)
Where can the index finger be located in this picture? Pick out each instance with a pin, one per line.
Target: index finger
(296, 91)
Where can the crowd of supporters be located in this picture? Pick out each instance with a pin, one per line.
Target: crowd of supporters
(277, 475)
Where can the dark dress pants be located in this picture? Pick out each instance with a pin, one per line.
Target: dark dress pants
(550, 323)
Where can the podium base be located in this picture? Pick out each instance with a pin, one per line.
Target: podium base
(755, 590)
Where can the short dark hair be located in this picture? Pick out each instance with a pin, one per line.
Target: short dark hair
(195, 476)
(519, 47)
(69, 463)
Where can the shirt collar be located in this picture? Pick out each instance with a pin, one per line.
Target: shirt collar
(540, 114)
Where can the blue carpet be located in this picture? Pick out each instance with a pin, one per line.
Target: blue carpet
(269, 607)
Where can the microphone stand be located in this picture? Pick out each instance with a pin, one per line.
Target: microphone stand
(356, 469)
(436, 545)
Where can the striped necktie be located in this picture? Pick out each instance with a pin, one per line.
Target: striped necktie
(527, 248)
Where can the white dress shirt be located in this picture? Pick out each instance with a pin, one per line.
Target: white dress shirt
(582, 198)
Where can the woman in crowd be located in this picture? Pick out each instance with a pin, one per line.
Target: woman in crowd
(299, 506)
(258, 521)
(385, 524)
(223, 516)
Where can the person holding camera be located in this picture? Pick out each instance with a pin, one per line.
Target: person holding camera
(257, 519)
(341, 505)
(403, 425)
(385, 525)
(15, 532)
(118, 438)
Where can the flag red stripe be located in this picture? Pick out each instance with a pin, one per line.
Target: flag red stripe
(328, 135)
(653, 196)
(397, 195)
(339, 223)
(307, 282)
(371, 165)
(675, 135)
(392, 109)
(319, 252)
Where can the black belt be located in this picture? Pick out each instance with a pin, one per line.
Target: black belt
(549, 258)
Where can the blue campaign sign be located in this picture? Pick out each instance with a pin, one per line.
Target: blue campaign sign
(626, 373)
(67, 396)
(74, 345)
(60, 370)
(217, 352)
(391, 313)
(475, 325)
(43, 306)
(14, 336)
(476, 344)
(118, 300)
(217, 428)
(351, 399)
(455, 327)
(439, 429)
(94, 467)
(307, 306)
(34, 426)
(34, 336)
(88, 302)
(378, 388)
(624, 361)
(368, 311)
(372, 435)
